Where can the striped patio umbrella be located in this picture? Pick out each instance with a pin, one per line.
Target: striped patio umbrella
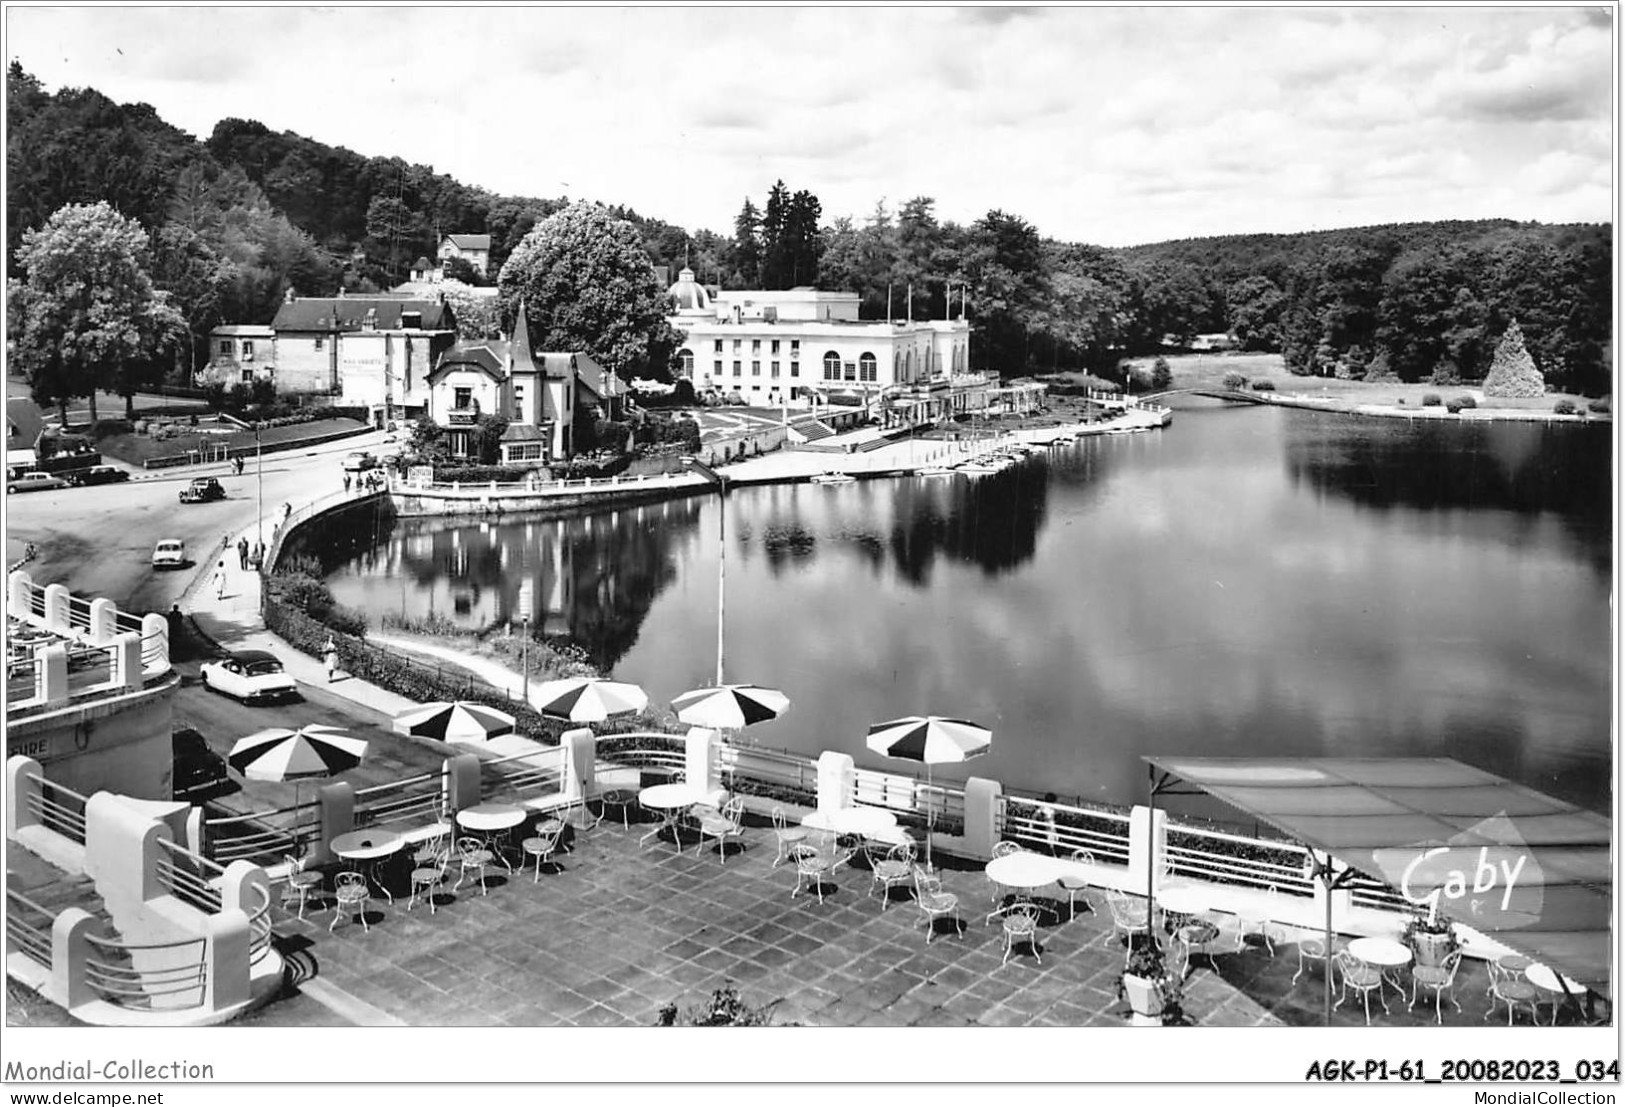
(455, 721)
(932, 740)
(588, 699)
(731, 706)
(309, 753)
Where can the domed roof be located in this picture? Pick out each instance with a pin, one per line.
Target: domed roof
(688, 294)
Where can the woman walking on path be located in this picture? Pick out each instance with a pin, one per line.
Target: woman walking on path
(220, 581)
(330, 654)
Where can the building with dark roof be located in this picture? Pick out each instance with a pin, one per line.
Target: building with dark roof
(364, 351)
(537, 392)
(473, 248)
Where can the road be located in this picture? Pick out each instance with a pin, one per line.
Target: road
(98, 540)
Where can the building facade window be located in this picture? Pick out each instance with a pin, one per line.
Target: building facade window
(716, 367)
(795, 347)
(737, 343)
(718, 347)
(685, 361)
(832, 366)
(462, 398)
(519, 402)
(851, 371)
(736, 369)
(248, 376)
(248, 349)
(756, 345)
(755, 368)
(795, 368)
(225, 346)
(867, 370)
(775, 345)
(775, 370)
(319, 342)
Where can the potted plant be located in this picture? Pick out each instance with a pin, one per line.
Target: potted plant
(1431, 938)
(1151, 991)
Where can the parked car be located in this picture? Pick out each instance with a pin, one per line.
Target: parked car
(169, 554)
(198, 769)
(252, 676)
(35, 482)
(202, 490)
(359, 462)
(98, 474)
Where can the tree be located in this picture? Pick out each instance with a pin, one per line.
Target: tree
(461, 269)
(1162, 375)
(486, 438)
(196, 278)
(776, 261)
(745, 263)
(1255, 305)
(478, 317)
(1513, 372)
(587, 285)
(1009, 280)
(87, 312)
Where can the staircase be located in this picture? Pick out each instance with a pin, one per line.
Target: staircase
(54, 891)
(811, 430)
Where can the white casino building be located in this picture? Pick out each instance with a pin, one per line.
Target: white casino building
(803, 346)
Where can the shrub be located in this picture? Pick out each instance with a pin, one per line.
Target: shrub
(1445, 373)
(1432, 399)
(1235, 381)
(1263, 386)
(1464, 400)
(106, 427)
(1563, 407)
(1602, 405)
(1513, 372)
(1453, 405)
(1380, 371)
(480, 474)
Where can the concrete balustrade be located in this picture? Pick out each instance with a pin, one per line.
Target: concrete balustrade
(836, 772)
(335, 815)
(70, 953)
(701, 750)
(126, 661)
(51, 680)
(19, 592)
(57, 609)
(103, 621)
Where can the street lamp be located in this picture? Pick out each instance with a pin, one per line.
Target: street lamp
(259, 479)
(721, 482)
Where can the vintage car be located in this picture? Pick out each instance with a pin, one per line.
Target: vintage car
(202, 490)
(169, 554)
(198, 769)
(252, 676)
(98, 474)
(35, 482)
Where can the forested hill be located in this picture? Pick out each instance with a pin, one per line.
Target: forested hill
(1274, 255)
(239, 218)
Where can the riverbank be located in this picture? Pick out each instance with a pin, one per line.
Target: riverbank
(1399, 409)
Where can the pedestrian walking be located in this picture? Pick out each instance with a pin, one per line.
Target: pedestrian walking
(242, 552)
(346, 480)
(237, 462)
(287, 510)
(330, 655)
(220, 581)
(259, 554)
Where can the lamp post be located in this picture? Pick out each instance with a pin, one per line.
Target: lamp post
(721, 483)
(259, 479)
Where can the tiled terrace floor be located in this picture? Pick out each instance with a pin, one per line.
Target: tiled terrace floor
(618, 930)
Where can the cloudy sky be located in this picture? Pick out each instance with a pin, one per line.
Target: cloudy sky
(1105, 125)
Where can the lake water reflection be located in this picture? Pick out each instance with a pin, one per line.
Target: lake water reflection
(1251, 581)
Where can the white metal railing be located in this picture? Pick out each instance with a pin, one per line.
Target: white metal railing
(111, 972)
(259, 926)
(1234, 859)
(1066, 828)
(66, 819)
(402, 487)
(190, 877)
(417, 798)
(256, 836)
(31, 938)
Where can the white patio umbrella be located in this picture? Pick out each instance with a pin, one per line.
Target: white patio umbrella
(454, 721)
(932, 740)
(588, 699)
(730, 707)
(311, 752)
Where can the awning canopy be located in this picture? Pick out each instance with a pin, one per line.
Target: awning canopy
(1533, 871)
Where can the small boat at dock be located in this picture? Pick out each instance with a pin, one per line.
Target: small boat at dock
(833, 477)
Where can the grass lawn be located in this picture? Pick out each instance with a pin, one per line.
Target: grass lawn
(137, 449)
(1208, 371)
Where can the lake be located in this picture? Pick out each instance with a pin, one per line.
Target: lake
(1249, 581)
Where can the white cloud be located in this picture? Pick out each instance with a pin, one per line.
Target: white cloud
(1103, 124)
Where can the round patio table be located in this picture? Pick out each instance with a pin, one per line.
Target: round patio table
(1022, 872)
(1547, 981)
(671, 800)
(870, 822)
(371, 848)
(1185, 900)
(493, 821)
(1384, 953)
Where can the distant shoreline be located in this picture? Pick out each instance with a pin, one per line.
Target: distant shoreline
(1347, 406)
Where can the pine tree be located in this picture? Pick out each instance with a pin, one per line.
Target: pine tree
(1513, 372)
(747, 246)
